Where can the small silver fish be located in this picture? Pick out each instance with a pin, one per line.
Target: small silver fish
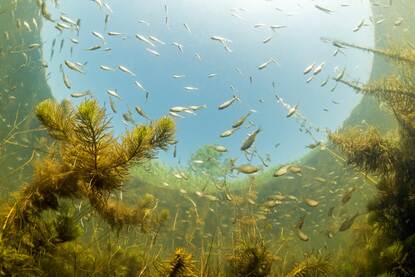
(229, 102)
(128, 117)
(126, 70)
(139, 85)
(68, 20)
(308, 69)
(155, 39)
(220, 39)
(34, 45)
(93, 48)
(281, 171)
(197, 107)
(73, 66)
(246, 169)
(340, 75)
(241, 120)
(178, 109)
(152, 51)
(80, 94)
(176, 115)
(106, 68)
(45, 12)
(113, 93)
(179, 46)
(265, 64)
(250, 140)
(66, 81)
(144, 39)
(113, 34)
(348, 223)
(191, 88)
(141, 112)
(302, 236)
(292, 111)
(112, 105)
(268, 39)
(275, 27)
(228, 133)
(323, 9)
(220, 148)
(27, 25)
(359, 26)
(62, 26)
(99, 36)
(142, 21)
(319, 68)
(347, 195)
(311, 202)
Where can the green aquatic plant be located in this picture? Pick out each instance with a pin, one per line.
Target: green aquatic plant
(391, 157)
(181, 264)
(250, 260)
(85, 162)
(77, 259)
(65, 224)
(313, 264)
(13, 262)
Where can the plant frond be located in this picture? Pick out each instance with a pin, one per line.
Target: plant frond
(56, 118)
(163, 132)
(366, 149)
(140, 144)
(405, 55)
(383, 89)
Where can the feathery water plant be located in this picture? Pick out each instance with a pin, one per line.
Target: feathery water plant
(392, 158)
(85, 162)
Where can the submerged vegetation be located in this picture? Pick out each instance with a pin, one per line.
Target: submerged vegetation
(314, 264)
(85, 163)
(390, 157)
(249, 260)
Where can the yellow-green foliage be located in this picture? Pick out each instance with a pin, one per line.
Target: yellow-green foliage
(255, 261)
(76, 260)
(314, 264)
(86, 162)
(180, 265)
(392, 157)
(13, 262)
(367, 148)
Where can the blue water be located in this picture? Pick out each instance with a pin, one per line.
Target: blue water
(294, 47)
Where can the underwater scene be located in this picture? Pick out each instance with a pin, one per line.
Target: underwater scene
(207, 138)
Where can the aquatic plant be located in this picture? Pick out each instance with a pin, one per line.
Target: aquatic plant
(11, 261)
(250, 260)
(313, 264)
(392, 158)
(180, 265)
(85, 162)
